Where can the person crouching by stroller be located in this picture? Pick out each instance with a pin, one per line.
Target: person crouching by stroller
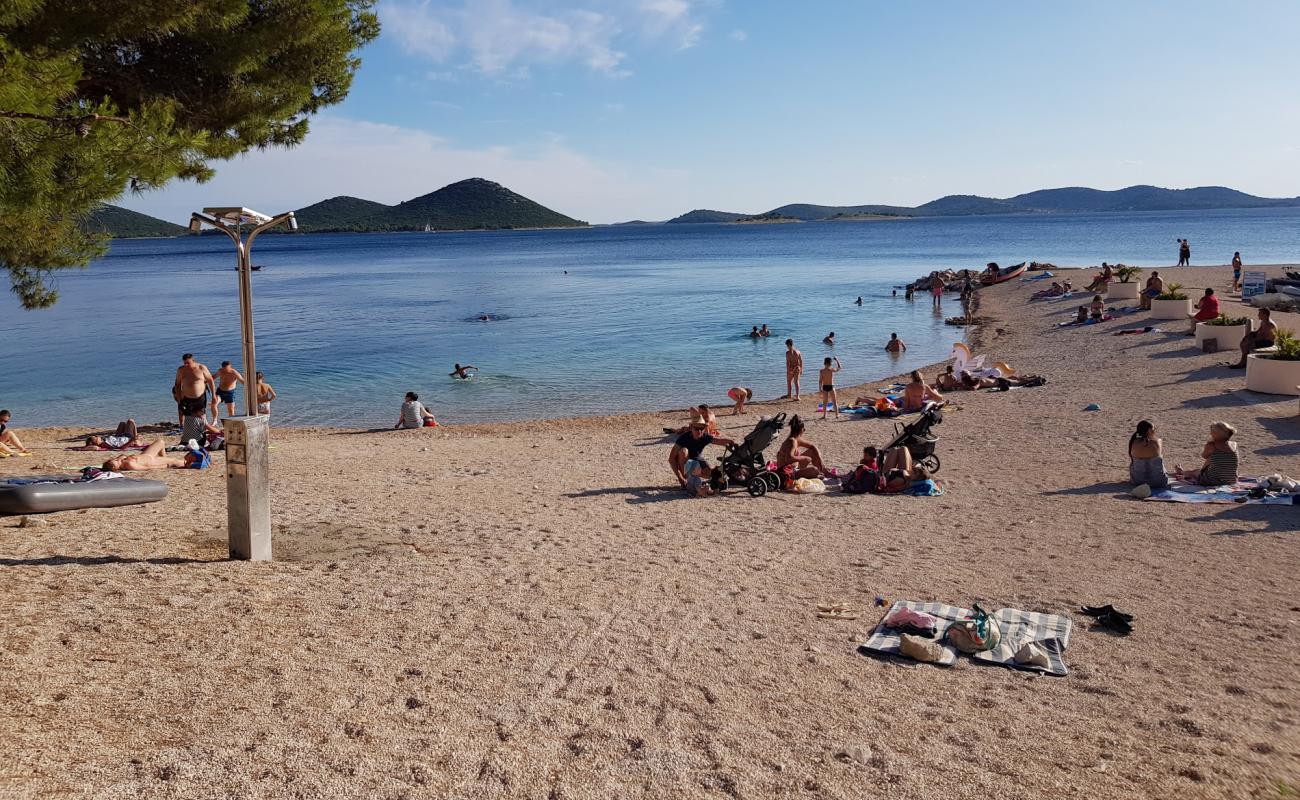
(686, 453)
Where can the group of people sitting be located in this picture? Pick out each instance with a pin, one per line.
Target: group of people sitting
(880, 470)
(1057, 289)
(1146, 465)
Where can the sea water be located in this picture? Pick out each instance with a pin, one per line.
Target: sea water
(581, 322)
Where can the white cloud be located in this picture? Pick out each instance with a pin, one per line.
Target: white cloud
(417, 31)
(389, 164)
(738, 35)
(503, 37)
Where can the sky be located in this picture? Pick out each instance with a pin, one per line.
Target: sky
(612, 110)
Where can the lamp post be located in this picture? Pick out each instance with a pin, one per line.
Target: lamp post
(248, 488)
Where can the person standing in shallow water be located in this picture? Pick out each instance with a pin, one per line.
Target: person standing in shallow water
(936, 289)
(793, 369)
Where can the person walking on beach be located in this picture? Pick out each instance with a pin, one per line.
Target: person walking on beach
(192, 386)
(265, 394)
(895, 344)
(1184, 253)
(793, 370)
(10, 444)
(228, 380)
(1236, 272)
(1155, 285)
(826, 379)
(936, 289)
(414, 414)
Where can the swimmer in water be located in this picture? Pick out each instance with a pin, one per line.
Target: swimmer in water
(829, 339)
(754, 334)
(460, 372)
(764, 331)
(859, 300)
(484, 318)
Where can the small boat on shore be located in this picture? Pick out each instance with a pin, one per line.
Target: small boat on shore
(1004, 274)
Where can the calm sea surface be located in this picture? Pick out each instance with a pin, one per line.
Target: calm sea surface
(646, 317)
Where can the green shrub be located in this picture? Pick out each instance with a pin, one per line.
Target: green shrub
(1288, 346)
(1227, 321)
(1126, 273)
(1173, 291)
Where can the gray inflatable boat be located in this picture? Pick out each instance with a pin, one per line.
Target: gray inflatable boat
(42, 494)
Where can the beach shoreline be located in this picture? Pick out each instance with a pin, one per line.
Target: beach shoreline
(530, 608)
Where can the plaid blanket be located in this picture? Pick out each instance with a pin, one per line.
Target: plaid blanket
(890, 642)
(1051, 632)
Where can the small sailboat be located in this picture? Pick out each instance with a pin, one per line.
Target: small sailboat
(428, 228)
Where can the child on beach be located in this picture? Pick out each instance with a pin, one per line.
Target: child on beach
(265, 394)
(698, 473)
(10, 444)
(740, 395)
(827, 380)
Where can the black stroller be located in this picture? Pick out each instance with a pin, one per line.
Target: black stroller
(918, 439)
(744, 464)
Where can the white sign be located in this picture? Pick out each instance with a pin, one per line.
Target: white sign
(1252, 283)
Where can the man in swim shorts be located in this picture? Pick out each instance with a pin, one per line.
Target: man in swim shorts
(895, 344)
(826, 377)
(1264, 335)
(1155, 285)
(936, 289)
(459, 371)
(228, 380)
(793, 369)
(193, 382)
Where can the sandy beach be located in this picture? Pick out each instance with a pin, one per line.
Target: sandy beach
(532, 610)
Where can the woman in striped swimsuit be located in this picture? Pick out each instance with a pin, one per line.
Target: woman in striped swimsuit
(1220, 454)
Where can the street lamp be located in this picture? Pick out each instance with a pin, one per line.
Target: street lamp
(248, 488)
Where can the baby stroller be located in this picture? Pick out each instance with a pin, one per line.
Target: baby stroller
(744, 464)
(918, 439)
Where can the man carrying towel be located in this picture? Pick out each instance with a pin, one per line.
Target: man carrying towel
(192, 387)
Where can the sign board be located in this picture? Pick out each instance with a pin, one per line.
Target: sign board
(1252, 283)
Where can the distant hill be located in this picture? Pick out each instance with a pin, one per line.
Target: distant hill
(809, 213)
(120, 223)
(1072, 199)
(705, 215)
(473, 204)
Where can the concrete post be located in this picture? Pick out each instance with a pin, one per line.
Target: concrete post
(248, 486)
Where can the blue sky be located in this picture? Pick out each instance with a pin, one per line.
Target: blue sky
(610, 110)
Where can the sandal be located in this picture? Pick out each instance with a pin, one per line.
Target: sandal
(836, 611)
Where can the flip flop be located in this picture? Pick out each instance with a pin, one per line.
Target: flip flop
(836, 611)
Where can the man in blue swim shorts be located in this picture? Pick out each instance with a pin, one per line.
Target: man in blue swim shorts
(228, 380)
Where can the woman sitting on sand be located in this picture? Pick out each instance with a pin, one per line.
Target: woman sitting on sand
(1098, 307)
(1146, 462)
(1220, 454)
(797, 458)
(917, 394)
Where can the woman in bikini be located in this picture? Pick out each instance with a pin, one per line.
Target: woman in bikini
(797, 458)
(917, 394)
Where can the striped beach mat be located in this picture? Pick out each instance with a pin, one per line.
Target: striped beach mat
(890, 642)
(1051, 632)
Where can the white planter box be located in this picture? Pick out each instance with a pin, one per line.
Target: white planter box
(1227, 337)
(1122, 291)
(1171, 309)
(1270, 376)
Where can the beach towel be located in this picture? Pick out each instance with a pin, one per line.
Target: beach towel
(1050, 632)
(889, 641)
(1181, 491)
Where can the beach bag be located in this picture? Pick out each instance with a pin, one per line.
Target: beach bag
(808, 486)
(976, 634)
(864, 479)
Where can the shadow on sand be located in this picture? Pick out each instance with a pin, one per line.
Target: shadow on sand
(636, 495)
(99, 561)
(1275, 519)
